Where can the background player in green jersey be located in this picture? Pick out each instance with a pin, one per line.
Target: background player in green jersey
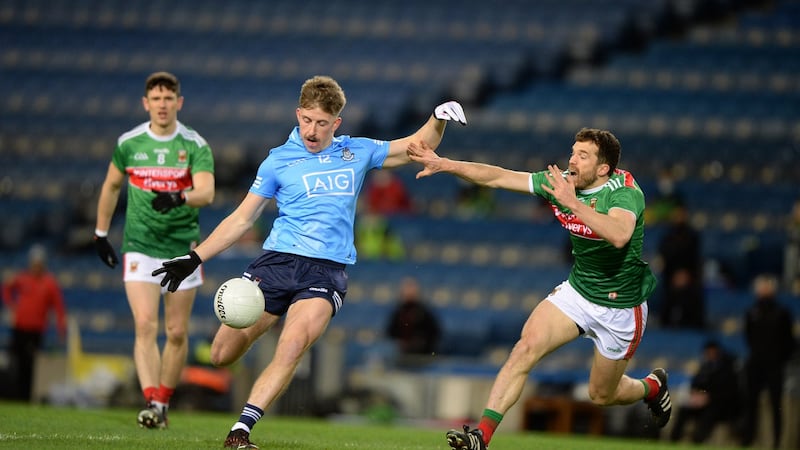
(603, 299)
(170, 172)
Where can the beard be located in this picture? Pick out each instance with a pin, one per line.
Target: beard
(583, 181)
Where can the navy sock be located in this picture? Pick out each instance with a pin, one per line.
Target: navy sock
(250, 415)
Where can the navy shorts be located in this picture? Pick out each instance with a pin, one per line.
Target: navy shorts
(286, 278)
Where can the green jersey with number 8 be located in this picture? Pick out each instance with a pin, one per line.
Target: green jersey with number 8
(602, 273)
(160, 163)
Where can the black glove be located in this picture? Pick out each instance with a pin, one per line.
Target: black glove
(177, 269)
(105, 251)
(164, 201)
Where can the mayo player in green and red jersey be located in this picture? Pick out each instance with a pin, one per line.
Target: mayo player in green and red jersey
(605, 295)
(170, 171)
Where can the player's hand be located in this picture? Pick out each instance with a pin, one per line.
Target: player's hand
(424, 154)
(563, 186)
(164, 201)
(451, 110)
(177, 269)
(105, 251)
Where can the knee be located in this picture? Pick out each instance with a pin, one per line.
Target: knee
(220, 353)
(228, 346)
(177, 334)
(525, 353)
(177, 337)
(147, 329)
(218, 356)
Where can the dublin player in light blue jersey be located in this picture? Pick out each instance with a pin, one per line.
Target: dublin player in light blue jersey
(315, 179)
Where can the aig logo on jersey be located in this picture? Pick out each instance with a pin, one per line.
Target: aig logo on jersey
(333, 182)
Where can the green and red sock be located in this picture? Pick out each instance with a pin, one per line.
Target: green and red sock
(651, 388)
(149, 392)
(488, 424)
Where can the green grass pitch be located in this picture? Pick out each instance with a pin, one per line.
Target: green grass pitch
(43, 427)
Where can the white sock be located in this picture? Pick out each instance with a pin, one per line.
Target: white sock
(240, 426)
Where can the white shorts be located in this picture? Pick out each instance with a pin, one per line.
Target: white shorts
(616, 332)
(138, 267)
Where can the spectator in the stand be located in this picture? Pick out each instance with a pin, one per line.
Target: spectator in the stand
(791, 264)
(474, 201)
(683, 299)
(667, 198)
(768, 333)
(376, 240)
(713, 397)
(387, 194)
(31, 295)
(413, 325)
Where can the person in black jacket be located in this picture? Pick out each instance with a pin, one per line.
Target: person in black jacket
(768, 331)
(412, 325)
(714, 395)
(682, 274)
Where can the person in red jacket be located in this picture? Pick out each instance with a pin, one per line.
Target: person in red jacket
(30, 295)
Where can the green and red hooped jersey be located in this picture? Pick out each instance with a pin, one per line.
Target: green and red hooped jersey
(602, 273)
(160, 163)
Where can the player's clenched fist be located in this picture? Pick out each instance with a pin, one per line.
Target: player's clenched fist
(164, 201)
(105, 251)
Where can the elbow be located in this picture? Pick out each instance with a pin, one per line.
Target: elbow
(433, 139)
(112, 187)
(619, 242)
(432, 143)
(619, 236)
(209, 199)
(202, 200)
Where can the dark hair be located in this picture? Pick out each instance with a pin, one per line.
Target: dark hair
(163, 79)
(323, 92)
(608, 146)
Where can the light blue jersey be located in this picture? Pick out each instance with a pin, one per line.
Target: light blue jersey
(316, 194)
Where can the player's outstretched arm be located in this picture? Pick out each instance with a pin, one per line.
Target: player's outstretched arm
(431, 133)
(476, 173)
